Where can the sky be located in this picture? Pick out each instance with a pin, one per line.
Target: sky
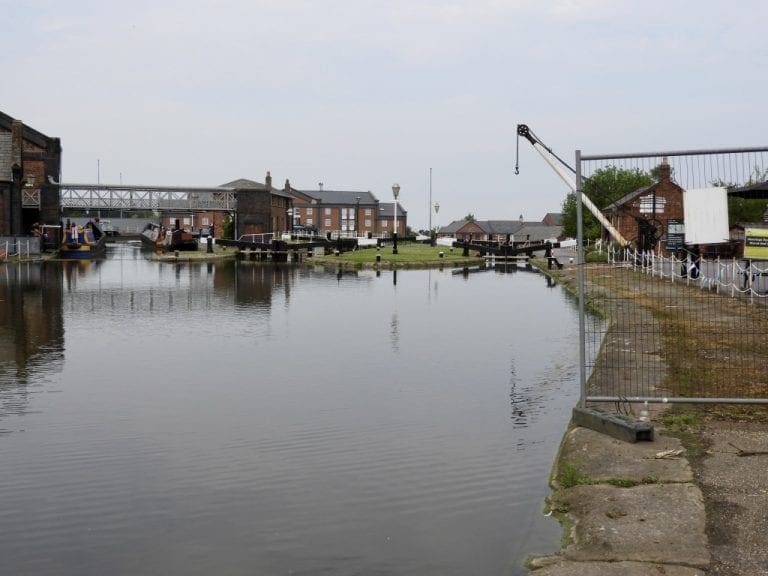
(360, 94)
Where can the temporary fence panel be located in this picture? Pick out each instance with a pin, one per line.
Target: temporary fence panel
(679, 315)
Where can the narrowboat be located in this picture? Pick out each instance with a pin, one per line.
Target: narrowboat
(83, 242)
(157, 238)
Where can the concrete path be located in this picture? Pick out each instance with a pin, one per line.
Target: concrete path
(635, 511)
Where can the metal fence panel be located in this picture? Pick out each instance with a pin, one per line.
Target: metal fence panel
(669, 325)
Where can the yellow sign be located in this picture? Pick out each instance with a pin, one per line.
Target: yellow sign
(756, 243)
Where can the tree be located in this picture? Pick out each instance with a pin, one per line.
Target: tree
(604, 187)
(469, 217)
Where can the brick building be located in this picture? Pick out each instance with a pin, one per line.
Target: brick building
(30, 167)
(648, 217)
(348, 212)
(261, 209)
(513, 232)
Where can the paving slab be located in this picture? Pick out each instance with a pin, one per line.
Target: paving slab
(562, 567)
(735, 485)
(662, 523)
(601, 457)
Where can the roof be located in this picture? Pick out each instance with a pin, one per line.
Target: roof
(37, 138)
(537, 232)
(500, 227)
(757, 191)
(341, 196)
(244, 183)
(629, 197)
(453, 227)
(387, 208)
(556, 216)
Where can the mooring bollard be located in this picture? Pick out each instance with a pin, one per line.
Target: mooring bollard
(441, 253)
(209, 248)
(378, 258)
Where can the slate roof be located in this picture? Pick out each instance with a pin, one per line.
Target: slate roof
(386, 209)
(452, 227)
(341, 196)
(246, 184)
(755, 191)
(557, 217)
(537, 232)
(629, 197)
(34, 136)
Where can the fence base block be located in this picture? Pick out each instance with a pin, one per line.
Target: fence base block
(612, 424)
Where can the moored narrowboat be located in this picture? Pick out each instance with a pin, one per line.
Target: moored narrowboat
(83, 242)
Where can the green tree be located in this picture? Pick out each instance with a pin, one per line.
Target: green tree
(604, 187)
(228, 227)
(469, 217)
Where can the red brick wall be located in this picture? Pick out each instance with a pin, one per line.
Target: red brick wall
(666, 192)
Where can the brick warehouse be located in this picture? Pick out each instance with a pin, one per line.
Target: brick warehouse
(29, 160)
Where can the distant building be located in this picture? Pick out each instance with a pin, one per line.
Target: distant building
(30, 168)
(348, 212)
(513, 232)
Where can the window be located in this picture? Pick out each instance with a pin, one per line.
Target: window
(367, 223)
(309, 211)
(368, 211)
(647, 204)
(205, 221)
(327, 222)
(327, 211)
(383, 223)
(187, 220)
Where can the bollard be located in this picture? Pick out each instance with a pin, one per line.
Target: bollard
(336, 252)
(176, 253)
(209, 248)
(441, 254)
(378, 258)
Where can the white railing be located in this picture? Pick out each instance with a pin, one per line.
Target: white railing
(726, 276)
(264, 238)
(20, 248)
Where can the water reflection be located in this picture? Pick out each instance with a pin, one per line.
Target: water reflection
(245, 417)
(31, 331)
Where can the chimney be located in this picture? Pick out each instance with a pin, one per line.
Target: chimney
(268, 181)
(664, 170)
(320, 186)
(287, 185)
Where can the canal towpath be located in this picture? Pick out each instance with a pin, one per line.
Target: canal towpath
(682, 507)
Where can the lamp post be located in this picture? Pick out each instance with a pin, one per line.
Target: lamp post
(437, 209)
(357, 217)
(396, 193)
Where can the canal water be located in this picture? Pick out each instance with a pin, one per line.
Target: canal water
(240, 418)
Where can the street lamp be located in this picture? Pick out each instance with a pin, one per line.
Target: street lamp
(357, 217)
(437, 222)
(396, 193)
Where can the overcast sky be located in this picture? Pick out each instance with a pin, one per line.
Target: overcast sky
(361, 94)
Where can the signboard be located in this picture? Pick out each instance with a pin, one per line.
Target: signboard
(675, 234)
(756, 243)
